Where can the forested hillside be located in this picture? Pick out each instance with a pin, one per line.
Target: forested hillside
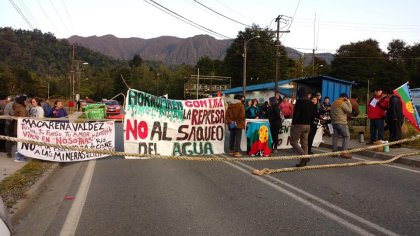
(30, 60)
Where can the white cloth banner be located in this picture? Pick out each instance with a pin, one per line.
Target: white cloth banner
(284, 135)
(160, 126)
(98, 135)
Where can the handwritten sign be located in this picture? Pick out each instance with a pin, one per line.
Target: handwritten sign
(98, 135)
(161, 126)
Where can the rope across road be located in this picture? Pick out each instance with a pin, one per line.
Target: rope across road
(233, 159)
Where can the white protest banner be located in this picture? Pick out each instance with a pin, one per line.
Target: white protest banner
(284, 135)
(97, 135)
(160, 126)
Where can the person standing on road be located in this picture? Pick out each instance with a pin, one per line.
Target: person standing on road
(235, 119)
(19, 110)
(58, 111)
(286, 108)
(313, 126)
(36, 109)
(3, 102)
(395, 118)
(304, 113)
(339, 111)
(9, 126)
(376, 109)
(274, 117)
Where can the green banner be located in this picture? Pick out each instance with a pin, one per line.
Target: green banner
(95, 111)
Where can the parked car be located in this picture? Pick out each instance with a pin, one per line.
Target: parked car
(5, 225)
(112, 107)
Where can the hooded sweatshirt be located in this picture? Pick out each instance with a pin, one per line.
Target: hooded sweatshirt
(339, 111)
(236, 112)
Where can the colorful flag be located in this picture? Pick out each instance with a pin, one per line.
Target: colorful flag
(409, 111)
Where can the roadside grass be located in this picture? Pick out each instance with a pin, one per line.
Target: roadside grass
(14, 187)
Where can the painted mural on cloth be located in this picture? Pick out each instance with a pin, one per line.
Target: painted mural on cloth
(160, 126)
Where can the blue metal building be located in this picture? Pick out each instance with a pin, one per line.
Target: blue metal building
(326, 85)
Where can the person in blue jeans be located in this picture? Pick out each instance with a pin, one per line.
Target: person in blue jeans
(339, 111)
(19, 110)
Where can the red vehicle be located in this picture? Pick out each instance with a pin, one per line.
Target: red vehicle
(112, 107)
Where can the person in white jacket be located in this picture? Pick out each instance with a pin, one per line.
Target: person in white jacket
(36, 110)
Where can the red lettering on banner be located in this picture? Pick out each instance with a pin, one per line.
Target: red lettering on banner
(196, 103)
(136, 129)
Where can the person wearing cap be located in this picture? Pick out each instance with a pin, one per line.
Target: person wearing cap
(339, 111)
(376, 109)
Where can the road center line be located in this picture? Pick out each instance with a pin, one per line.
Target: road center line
(72, 220)
(246, 169)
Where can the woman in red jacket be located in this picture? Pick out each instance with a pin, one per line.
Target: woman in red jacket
(286, 108)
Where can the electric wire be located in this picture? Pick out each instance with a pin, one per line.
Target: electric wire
(59, 16)
(68, 16)
(233, 10)
(46, 16)
(28, 13)
(21, 14)
(220, 14)
(185, 20)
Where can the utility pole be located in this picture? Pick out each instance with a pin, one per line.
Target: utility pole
(72, 76)
(279, 19)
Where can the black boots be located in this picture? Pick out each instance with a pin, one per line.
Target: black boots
(302, 162)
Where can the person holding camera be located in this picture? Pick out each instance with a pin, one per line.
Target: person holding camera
(235, 119)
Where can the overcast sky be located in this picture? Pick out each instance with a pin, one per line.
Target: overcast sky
(337, 22)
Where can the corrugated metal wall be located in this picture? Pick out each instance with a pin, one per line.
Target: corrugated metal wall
(333, 89)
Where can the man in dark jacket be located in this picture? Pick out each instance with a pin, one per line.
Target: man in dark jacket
(394, 118)
(235, 119)
(303, 115)
(274, 117)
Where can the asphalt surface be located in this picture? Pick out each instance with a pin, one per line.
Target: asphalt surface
(152, 197)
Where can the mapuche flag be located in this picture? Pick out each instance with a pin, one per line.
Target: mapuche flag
(409, 110)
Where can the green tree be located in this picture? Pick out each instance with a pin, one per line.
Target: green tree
(360, 62)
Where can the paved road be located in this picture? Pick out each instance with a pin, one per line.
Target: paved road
(153, 197)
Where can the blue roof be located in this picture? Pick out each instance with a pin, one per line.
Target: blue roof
(324, 77)
(257, 87)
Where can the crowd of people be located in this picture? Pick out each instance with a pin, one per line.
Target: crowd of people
(308, 111)
(305, 112)
(24, 106)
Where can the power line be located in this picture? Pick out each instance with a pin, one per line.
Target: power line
(291, 21)
(233, 10)
(46, 15)
(21, 14)
(59, 16)
(185, 20)
(221, 14)
(28, 12)
(68, 16)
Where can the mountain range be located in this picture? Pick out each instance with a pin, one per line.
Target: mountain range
(171, 50)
